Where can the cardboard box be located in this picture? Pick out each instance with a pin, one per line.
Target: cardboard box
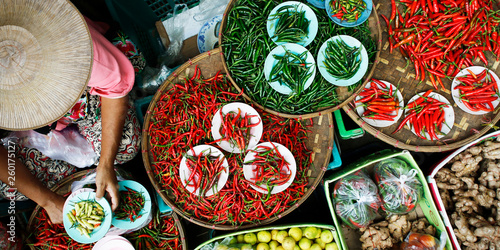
(435, 192)
(349, 238)
(189, 46)
(281, 227)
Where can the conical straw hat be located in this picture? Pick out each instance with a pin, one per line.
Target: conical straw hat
(45, 61)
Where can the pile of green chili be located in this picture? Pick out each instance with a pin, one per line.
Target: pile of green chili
(341, 60)
(291, 70)
(246, 45)
(292, 25)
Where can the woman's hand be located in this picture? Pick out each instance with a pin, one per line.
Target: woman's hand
(54, 208)
(106, 181)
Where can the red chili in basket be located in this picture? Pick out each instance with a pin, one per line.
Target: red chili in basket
(440, 37)
(181, 120)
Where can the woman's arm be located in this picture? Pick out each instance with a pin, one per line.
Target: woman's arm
(29, 185)
(113, 113)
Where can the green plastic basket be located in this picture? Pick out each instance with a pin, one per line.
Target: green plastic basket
(426, 203)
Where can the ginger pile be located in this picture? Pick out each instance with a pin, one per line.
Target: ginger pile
(392, 231)
(470, 190)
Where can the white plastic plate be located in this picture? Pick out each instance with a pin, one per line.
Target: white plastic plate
(449, 115)
(287, 155)
(455, 94)
(255, 132)
(360, 109)
(184, 171)
(352, 42)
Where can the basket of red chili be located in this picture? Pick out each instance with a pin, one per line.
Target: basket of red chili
(179, 118)
(416, 59)
(45, 235)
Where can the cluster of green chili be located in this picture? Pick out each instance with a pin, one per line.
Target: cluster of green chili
(246, 44)
(341, 60)
(291, 70)
(292, 25)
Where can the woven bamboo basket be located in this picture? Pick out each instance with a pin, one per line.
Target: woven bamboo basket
(466, 128)
(343, 93)
(320, 141)
(64, 187)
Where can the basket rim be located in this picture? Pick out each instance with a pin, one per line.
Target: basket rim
(305, 115)
(417, 148)
(147, 164)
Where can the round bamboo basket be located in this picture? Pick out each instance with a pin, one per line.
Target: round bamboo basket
(343, 93)
(320, 141)
(392, 68)
(64, 187)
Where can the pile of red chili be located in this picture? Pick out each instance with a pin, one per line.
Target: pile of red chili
(425, 114)
(205, 171)
(131, 204)
(236, 128)
(477, 92)
(439, 37)
(160, 233)
(269, 167)
(181, 120)
(52, 236)
(380, 101)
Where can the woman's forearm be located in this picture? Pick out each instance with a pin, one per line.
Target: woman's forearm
(16, 175)
(113, 113)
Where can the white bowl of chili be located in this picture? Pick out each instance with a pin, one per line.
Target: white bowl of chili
(358, 14)
(326, 58)
(261, 179)
(249, 124)
(479, 93)
(192, 173)
(447, 122)
(295, 34)
(361, 108)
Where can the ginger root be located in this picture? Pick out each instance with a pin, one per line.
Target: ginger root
(399, 227)
(446, 179)
(467, 166)
(491, 150)
(470, 189)
(422, 226)
(376, 236)
(462, 231)
(491, 177)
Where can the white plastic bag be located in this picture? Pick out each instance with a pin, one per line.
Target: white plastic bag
(210, 9)
(175, 31)
(67, 145)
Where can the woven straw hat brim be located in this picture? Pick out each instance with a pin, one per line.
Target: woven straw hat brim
(45, 61)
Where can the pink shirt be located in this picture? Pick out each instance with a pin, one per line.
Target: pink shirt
(112, 73)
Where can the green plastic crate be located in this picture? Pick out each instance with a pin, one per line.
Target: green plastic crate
(269, 228)
(162, 8)
(426, 203)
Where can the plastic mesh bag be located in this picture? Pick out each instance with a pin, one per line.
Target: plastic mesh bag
(356, 200)
(398, 186)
